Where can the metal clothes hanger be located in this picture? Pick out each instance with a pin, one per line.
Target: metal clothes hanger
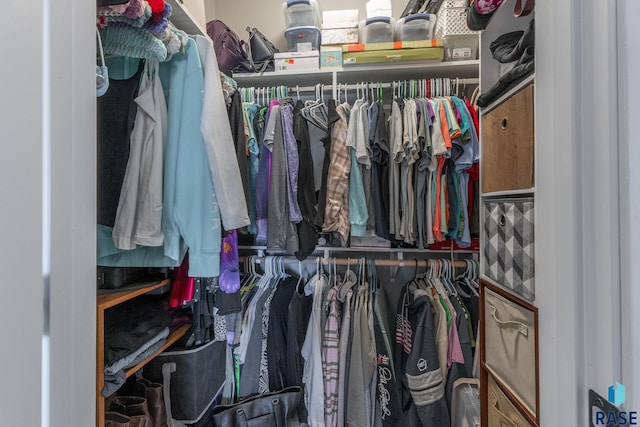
(447, 278)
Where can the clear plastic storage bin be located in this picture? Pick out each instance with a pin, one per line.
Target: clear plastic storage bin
(303, 38)
(461, 47)
(377, 30)
(419, 26)
(301, 13)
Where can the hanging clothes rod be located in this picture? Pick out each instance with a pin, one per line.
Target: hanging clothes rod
(373, 85)
(290, 260)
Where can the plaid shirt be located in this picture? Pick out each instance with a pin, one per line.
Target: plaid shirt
(331, 359)
(336, 217)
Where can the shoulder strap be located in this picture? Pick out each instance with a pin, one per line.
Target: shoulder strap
(523, 7)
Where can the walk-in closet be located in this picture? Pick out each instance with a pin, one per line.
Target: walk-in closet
(320, 213)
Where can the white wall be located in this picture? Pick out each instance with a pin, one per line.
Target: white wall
(268, 17)
(210, 9)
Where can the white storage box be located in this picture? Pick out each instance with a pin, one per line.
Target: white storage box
(419, 26)
(301, 13)
(333, 36)
(348, 18)
(378, 8)
(461, 47)
(452, 19)
(377, 30)
(297, 61)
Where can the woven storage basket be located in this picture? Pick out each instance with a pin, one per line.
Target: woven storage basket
(452, 19)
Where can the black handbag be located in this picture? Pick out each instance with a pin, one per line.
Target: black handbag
(275, 409)
(260, 53)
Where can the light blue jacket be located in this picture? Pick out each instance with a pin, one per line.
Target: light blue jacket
(191, 209)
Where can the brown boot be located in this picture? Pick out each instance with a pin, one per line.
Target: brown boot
(116, 419)
(134, 407)
(155, 401)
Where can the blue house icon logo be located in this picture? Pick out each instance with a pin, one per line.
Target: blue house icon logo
(616, 394)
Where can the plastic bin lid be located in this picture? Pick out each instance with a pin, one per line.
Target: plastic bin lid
(423, 16)
(296, 2)
(375, 19)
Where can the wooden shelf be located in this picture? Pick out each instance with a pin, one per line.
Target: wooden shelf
(104, 302)
(171, 339)
(112, 299)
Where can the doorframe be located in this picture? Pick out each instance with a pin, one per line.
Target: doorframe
(629, 179)
(72, 302)
(578, 288)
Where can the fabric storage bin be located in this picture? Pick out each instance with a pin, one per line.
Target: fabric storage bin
(500, 411)
(509, 333)
(192, 378)
(508, 144)
(452, 19)
(508, 244)
(302, 39)
(418, 26)
(377, 30)
(301, 13)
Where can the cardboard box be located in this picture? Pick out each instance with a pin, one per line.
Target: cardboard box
(392, 55)
(300, 61)
(340, 36)
(361, 47)
(340, 18)
(330, 56)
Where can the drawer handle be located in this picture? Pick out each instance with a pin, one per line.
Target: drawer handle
(494, 403)
(502, 220)
(504, 123)
(521, 327)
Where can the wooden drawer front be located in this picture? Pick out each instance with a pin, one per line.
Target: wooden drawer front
(507, 144)
(510, 346)
(501, 412)
(508, 244)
